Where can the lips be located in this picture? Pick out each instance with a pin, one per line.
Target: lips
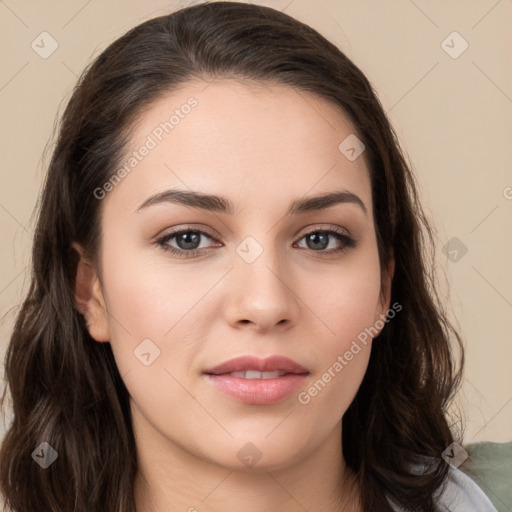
(257, 381)
(253, 365)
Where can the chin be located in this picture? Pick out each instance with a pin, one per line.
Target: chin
(260, 454)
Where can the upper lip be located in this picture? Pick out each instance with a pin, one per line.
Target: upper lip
(269, 364)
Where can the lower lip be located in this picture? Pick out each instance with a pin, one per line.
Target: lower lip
(258, 391)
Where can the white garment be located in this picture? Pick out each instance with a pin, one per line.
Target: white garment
(460, 494)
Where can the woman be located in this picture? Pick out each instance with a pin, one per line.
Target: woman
(227, 226)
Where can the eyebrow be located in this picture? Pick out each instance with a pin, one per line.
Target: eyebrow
(221, 204)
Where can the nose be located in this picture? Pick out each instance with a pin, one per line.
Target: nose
(260, 292)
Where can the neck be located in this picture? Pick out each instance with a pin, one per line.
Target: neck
(170, 478)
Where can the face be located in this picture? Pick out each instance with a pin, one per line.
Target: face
(184, 288)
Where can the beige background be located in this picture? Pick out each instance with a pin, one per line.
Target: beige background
(453, 116)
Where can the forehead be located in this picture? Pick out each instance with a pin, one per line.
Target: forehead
(243, 139)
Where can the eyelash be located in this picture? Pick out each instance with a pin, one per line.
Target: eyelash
(162, 242)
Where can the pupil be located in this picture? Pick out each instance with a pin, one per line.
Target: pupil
(315, 238)
(188, 238)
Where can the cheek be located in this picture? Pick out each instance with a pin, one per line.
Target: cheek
(332, 390)
(345, 299)
(151, 301)
(346, 306)
(343, 358)
(154, 335)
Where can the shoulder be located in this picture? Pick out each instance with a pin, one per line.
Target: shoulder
(459, 493)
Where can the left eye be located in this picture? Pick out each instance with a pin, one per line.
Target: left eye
(188, 241)
(318, 240)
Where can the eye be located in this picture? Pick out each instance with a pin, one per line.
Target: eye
(188, 242)
(319, 240)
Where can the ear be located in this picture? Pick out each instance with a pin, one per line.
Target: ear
(385, 293)
(89, 297)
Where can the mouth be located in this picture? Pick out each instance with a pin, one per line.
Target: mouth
(257, 381)
(254, 374)
(265, 367)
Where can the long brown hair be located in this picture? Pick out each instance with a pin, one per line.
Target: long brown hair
(65, 387)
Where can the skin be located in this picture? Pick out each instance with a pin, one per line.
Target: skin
(262, 146)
